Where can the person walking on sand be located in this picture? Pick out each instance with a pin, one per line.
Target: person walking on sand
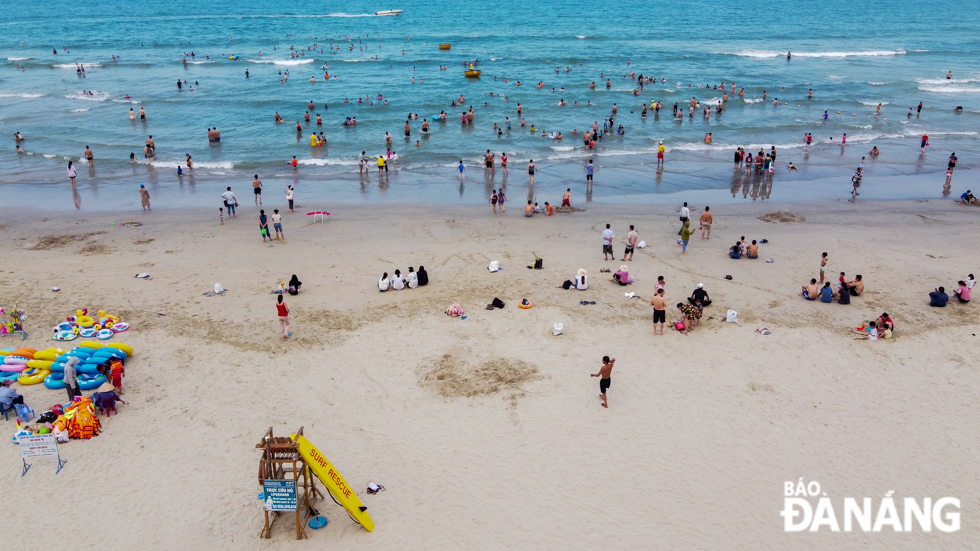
(631, 239)
(685, 236)
(605, 378)
(72, 173)
(685, 217)
(823, 266)
(283, 312)
(659, 303)
(501, 199)
(566, 200)
(257, 189)
(230, 201)
(144, 197)
(706, 221)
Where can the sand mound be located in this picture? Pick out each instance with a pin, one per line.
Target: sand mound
(93, 249)
(452, 377)
(48, 242)
(780, 216)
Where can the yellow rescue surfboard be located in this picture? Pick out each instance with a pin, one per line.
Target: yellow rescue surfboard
(336, 485)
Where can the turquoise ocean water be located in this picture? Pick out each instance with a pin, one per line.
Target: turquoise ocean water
(853, 55)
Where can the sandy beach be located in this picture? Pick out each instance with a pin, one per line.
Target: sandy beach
(487, 432)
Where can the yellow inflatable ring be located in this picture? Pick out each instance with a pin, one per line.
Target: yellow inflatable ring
(526, 306)
(124, 347)
(92, 344)
(49, 354)
(85, 321)
(33, 376)
(40, 364)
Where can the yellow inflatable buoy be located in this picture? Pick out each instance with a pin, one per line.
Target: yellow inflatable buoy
(124, 347)
(39, 364)
(33, 376)
(92, 344)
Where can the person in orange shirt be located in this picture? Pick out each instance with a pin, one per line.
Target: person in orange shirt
(549, 208)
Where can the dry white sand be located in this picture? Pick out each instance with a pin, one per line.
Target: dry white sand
(487, 432)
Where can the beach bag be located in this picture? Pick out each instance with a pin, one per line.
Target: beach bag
(641, 245)
(732, 316)
(567, 285)
(494, 266)
(679, 325)
(538, 263)
(497, 303)
(265, 231)
(454, 310)
(558, 328)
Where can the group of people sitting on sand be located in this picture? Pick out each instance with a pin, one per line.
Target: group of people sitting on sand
(882, 327)
(845, 290)
(740, 248)
(939, 298)
(398, 282)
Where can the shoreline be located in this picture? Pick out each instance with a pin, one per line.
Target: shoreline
(618, 184)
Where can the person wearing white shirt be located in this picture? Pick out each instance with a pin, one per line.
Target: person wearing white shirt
(384, 284)
(582, 280)
(230, 201)
(970, 282)
(411, 278)
(397, 281)
(607, 239)
(685, 216)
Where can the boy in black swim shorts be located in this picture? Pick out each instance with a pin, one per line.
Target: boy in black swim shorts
(605, 378)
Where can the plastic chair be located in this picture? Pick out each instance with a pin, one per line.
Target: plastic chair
(5, 411)
(24, 413)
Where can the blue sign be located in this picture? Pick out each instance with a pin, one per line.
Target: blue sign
(280, 495)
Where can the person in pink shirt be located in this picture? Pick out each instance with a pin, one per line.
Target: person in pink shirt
(963, 293)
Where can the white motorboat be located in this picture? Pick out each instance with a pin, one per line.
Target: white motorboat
(389, 12)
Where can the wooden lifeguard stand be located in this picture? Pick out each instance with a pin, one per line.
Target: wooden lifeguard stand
(281, 460)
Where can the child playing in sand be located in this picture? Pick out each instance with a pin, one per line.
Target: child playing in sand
(221, 215)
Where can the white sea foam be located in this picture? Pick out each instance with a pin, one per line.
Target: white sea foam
(124, 101)
(580, 36)
(82, 110)
(20, 95)
(772, 53)
(756, 100)
(562, 147)
(284, 62)
(327, 162)
(875, 103)
(879, 83)
(350, 15)
(950, 89)
(97, 96)
(72, 65)
(17, 58)
(227, 165)
(952, 81)
(200, 62)
(48, 155)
